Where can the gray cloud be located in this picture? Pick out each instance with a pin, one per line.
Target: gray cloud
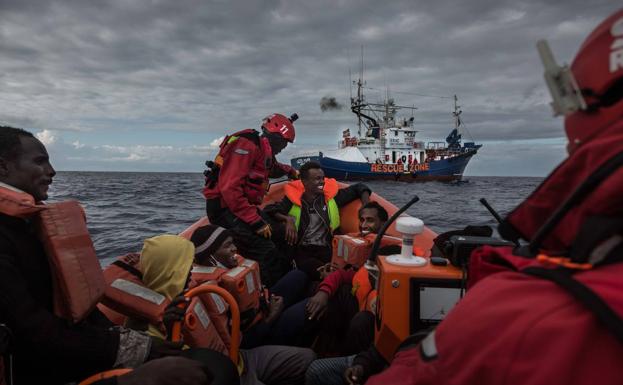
(114, 67)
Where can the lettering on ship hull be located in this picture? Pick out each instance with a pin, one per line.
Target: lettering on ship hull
(399, 168)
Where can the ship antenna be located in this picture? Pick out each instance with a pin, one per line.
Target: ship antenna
(350, 84)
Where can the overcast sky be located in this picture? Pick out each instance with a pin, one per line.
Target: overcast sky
(137, 85)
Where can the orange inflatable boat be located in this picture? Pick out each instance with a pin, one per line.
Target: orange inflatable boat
(398, 287)
(409, 298)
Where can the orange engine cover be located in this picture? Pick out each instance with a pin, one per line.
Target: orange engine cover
(400, 301)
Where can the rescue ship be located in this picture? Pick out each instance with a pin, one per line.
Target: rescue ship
(388, 148)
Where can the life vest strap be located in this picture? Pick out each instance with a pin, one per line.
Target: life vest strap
(129, 268)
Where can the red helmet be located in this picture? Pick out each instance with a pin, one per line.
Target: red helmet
(598, 73)
(280, 125)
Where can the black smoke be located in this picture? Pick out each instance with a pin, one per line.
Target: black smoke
(328, 103)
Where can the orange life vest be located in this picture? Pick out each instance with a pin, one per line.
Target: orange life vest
(77, 278)
(218, 311)
(201, 331)
(294, 191)
(242, 282)
(353, 249)
(76, 272)
(363, 291)
(127, 295)
(18, 203)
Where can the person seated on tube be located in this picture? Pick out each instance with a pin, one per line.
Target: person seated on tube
(166, 263)
(43, 347)
(345, 327)
(310, 212)
(214, 246)
(165, 266)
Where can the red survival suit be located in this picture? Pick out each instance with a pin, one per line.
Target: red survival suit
(245, 161)
(513, 328)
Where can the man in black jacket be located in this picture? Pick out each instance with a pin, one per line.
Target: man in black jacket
(310, 212)
(44, 348)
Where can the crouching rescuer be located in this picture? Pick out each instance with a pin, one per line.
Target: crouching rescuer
(236, 183)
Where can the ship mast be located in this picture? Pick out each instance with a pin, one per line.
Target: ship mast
(360, 93)
(456, 113)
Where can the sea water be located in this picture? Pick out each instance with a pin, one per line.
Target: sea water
(124, 208)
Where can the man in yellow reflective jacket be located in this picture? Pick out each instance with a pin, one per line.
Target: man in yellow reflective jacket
(310, 212)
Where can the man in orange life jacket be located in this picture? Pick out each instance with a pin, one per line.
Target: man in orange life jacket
(214, 246)
(344, 306)
(237, 183)
(552, 311)
(310, 212)
(45, 348)
(353, 282)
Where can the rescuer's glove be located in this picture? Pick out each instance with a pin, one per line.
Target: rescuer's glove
(294, 174)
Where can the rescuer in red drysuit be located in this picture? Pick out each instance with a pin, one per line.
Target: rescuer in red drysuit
(550, 312)
(237, 183)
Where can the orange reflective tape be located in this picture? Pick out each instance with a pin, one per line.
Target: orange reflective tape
(562, 261)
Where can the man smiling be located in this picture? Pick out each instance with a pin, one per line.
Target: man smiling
(44, 347)
(310, 212)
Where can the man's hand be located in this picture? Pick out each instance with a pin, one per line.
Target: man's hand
(354, 375)
(291, 234)
(175, 312)
(167, 371)
(327, 269)
(275, 308)
(265, 231)
(317, 305)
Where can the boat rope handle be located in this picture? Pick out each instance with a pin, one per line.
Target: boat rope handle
(176, 333)
(102, 375)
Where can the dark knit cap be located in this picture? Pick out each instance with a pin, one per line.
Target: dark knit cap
(207, 239)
